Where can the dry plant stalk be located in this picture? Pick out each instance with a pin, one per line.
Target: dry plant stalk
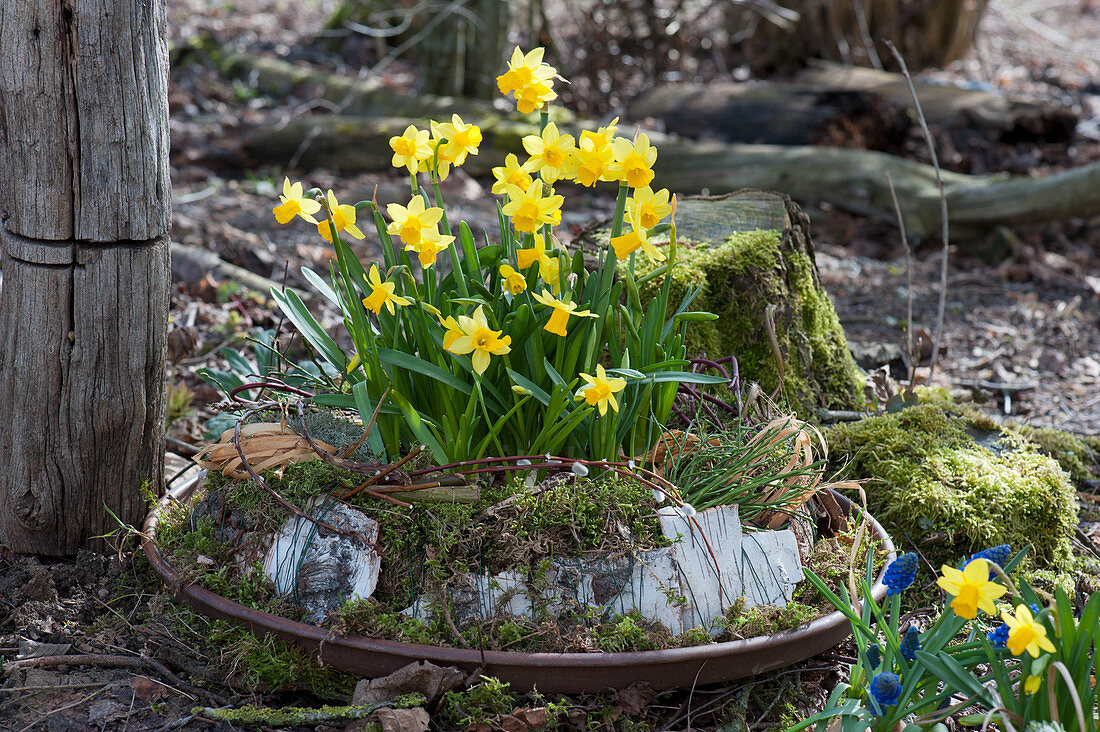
(265, 444)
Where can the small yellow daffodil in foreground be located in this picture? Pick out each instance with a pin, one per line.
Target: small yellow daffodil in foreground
(648, 207)
(1024, 634)
(636, 238)
(410, 148)
(601, 390)
(414, 222)
(1032, 683)
(511, 173)
(551, 153)
(381, 294)
(971, 588)
(529, 79)
(343, 216)
(529, 209)
(633, 163)
(590, 162)
(462, 139)
(514, 282)
(292, 204)
(479, 339)
(431, 244)
(559, 319)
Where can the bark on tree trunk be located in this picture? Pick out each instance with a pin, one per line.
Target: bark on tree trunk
(87, 200)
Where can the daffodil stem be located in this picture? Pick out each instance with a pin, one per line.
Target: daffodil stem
(620, 210)
(456, 262)
(544, 119)
(488, 419)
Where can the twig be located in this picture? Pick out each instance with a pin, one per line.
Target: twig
(46, 716)
(144, 663)
(937, 335)
(444, 601)
(909, 354)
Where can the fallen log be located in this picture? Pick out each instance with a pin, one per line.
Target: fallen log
(368, 97)
(829, 102)
(851, 179)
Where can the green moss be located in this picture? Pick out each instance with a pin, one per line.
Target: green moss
(477, 705)
(953, 487)
(747, 622)
(631, 632)
(1078, 456)
(740, 278)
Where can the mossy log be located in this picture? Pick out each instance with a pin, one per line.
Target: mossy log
(750, 252)
(851, 179)
(957, 483)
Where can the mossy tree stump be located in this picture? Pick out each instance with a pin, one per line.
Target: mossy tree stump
(750, 252)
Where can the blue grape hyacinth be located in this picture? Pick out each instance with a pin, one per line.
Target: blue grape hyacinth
(910, 643)
(998, 637)
(874, 655)
(886, 688)
(999, 554)
(901, 573)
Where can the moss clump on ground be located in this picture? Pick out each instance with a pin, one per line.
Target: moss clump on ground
(1078, 456)
(740, 277)
(956, 484)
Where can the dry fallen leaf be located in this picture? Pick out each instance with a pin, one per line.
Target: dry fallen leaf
(265, 444)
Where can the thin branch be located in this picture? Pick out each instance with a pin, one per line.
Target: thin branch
(937, 335)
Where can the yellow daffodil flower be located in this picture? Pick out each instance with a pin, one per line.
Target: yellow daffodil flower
(529, 209)
(343, 216)
(414, 222)
(462, 140)
(514, 282)
(381, 294)
(511, 173)
(650, 207)
(1024, 634)
(551, 153)
(549, 267)
(590, 162)
(410, 148)
(292, 204)
(602, 136)
(453, 331)
(431, 244)
(601, 390)
(529, 79)
(636, 238)
(479, 339)
(633, 163)
(971, 588)
(1031, 684)
(559, 319)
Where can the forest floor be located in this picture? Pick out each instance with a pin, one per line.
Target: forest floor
(1031, 320)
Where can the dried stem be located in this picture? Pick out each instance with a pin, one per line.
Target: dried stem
(937, 335)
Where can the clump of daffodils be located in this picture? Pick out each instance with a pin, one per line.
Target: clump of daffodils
(514, 347)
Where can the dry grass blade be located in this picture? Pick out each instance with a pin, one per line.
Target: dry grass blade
(265, 444)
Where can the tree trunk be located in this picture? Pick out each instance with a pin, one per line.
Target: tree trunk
(87, 196)
(926, 32)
